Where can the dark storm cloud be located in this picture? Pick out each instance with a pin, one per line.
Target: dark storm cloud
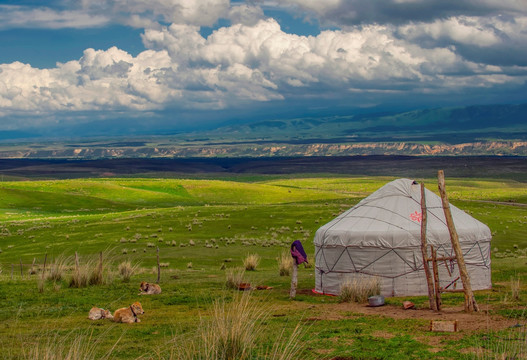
(397, 12)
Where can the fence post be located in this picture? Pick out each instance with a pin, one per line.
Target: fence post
(44, 269)
(158, 267)
(32, 271)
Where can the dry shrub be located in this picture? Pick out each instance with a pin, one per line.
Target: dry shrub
(40, 285)
(285, 263)
(232, 330)
(229, 333)
(507, 344)
(72, 346)
(126, 270)
(234, 277)
(232, 333)
(97, 275)
(515, 288)
(80, 276)
(251, 261)
(91, 272)
(359, 288)
(288, 349)
(58, 269)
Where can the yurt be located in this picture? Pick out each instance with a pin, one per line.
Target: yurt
(381, 237)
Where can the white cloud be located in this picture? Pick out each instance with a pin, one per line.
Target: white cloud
(239, 64)
(100, 80)
(466, 30)
(245, 14)
(478, 39)
(97, 13)
(349, 13)
(12, 16)
(253, 60)
(192, 12)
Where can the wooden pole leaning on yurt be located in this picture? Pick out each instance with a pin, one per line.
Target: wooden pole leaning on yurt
(429, 281)
(435, 271)
(470, 301)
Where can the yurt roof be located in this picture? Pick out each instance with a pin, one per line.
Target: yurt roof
(391, 218)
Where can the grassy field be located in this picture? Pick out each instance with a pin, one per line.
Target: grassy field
(204, 229)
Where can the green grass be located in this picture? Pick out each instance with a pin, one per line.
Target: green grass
(260, 215)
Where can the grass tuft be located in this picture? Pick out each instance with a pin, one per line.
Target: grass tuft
(358, 289)
(515, 288)
(58, 269)
(508, 344)
(285, 263)
(251, 261)
(72, 346)
(234, 277)
(233, 331)
(126, 270)
(80, 276)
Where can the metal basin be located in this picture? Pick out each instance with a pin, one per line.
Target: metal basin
(377, 300)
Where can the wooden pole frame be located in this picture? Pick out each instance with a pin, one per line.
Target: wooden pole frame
(470, 301)
(435, 269)
(429, 281)
(294, 280)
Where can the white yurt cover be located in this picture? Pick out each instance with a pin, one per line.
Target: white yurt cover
(381, 237)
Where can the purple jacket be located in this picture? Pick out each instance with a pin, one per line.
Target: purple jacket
(298, 253)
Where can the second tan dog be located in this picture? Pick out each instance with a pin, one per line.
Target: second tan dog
(128, 314)
(98, 313)
(149, 289)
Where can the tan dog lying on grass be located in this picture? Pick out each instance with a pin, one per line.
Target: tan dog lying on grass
(98, 313)
(149, 289)
(128, 314)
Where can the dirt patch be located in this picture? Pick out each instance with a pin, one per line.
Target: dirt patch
(467, 323)
(324, 351)
(382, 334)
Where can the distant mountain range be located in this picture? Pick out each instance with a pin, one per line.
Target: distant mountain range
(471, 130)
(450, 125)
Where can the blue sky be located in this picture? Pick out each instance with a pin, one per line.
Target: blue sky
(134, 66)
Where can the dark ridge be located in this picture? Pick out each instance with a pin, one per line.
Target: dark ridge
(415, 167)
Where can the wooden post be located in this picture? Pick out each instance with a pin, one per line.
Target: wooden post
(294, 280)
(429, 281)
(158, 267)
(470, 301)
(44, 269)
(99, 279)
(32, 271)
(100, 264)
(436, 278)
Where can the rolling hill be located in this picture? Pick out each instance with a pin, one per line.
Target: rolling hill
(471, 130)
